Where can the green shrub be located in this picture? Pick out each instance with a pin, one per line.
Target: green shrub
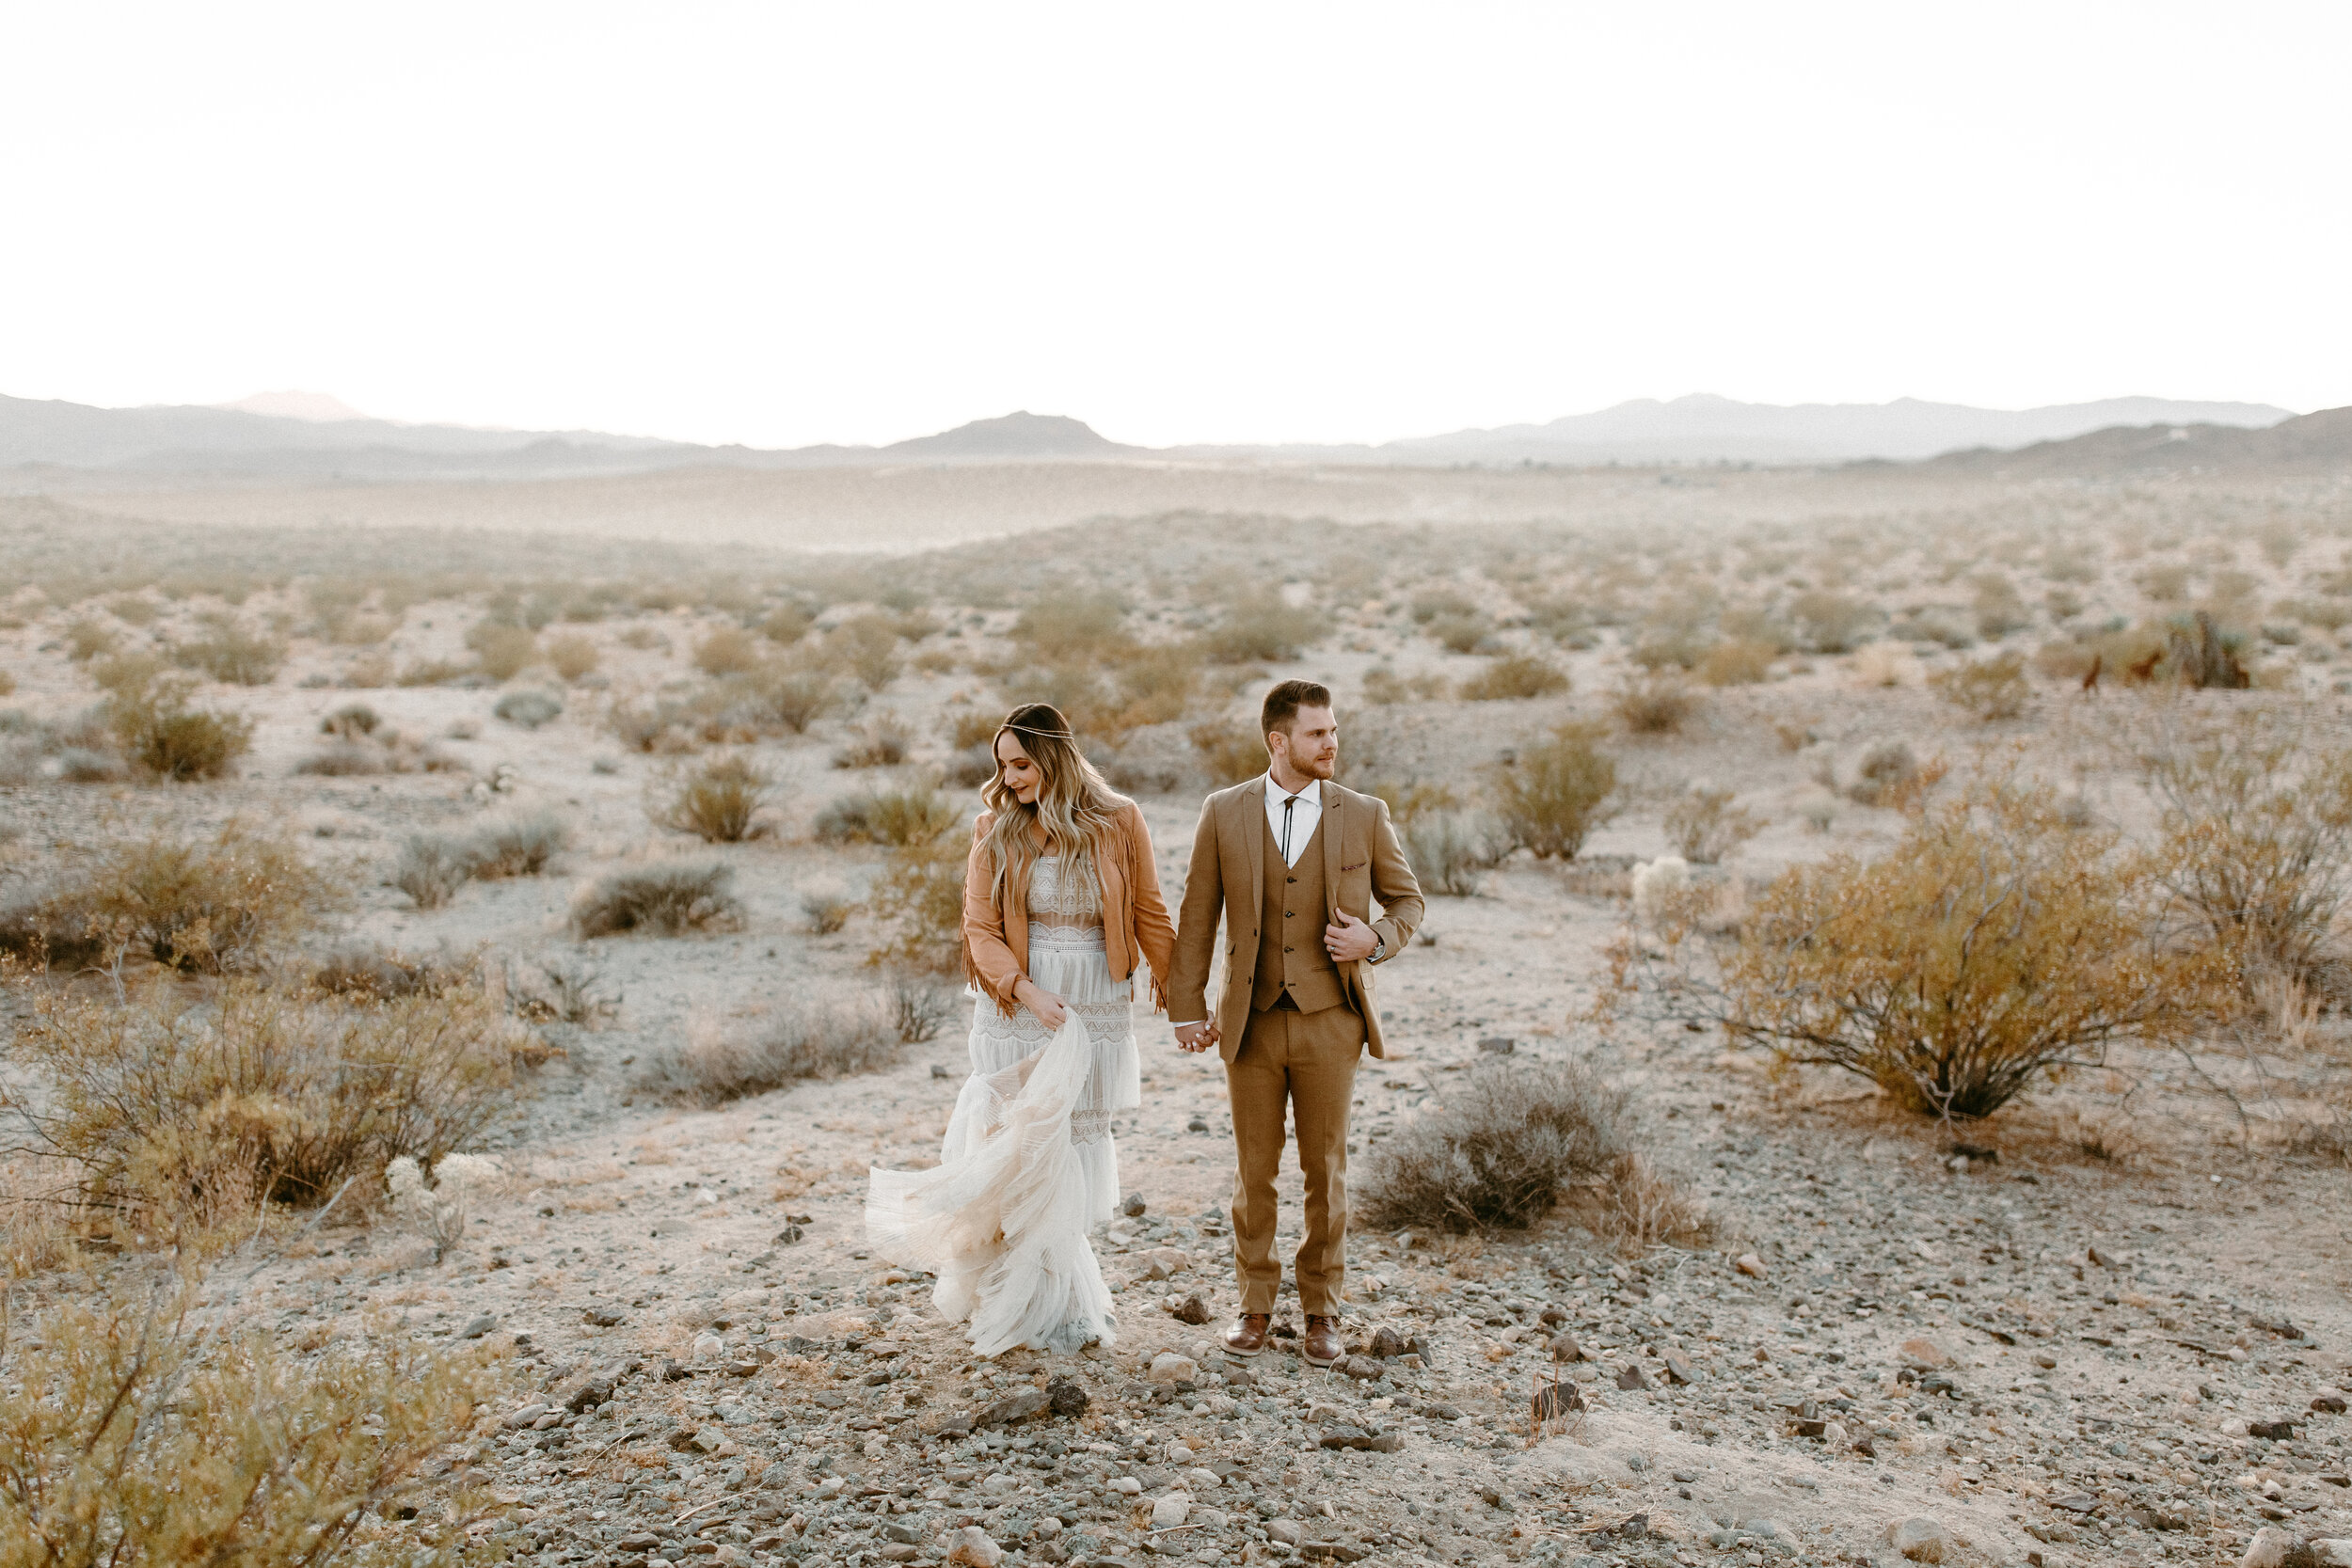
(1555, 792)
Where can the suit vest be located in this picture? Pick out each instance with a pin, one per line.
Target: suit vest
(1291, 955)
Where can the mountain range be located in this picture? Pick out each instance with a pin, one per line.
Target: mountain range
(286, 435)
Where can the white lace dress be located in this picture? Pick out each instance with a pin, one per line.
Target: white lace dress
(1028, 1165)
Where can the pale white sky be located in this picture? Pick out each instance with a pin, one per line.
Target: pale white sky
(780, 224)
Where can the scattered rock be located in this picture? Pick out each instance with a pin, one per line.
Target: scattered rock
(1388, 1343)
(1066, 1398)
(939, 1069)
(2268, 1549)
(2275, 1432)
(1497, 1045)
(974, 1548)
(1565, 1349)
(1919, 1539)
(1923, 1353)
(2328, 1405)
(1014, 1408)
(1751, 1265)
(1133, 1206)
(1168, 1367)
(1630, 1377)
(2078, 1502)
(1170, 1511)
(1287, 1532)
(1191, 1310)
(1363, 1369)
(1678, 1369)
(1555, 1401)
(603, 1316)
(475, 1328)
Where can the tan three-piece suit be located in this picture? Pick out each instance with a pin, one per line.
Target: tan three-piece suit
(1291, 1023)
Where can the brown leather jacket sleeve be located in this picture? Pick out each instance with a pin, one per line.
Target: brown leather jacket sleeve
(1156, 934)
(1394, 883)
(1195, 928)
(986, 954)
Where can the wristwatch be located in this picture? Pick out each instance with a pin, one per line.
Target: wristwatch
(1379, 948)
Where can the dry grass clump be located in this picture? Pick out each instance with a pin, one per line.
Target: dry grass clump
(182, 1112)
(127, 1436)
(204, 904)
(2256, 830)
(881, 741)
(1991, 689)
(1264, 628)
(87, 639)
(503, 651)
(1994, 944)
(1512, 676)
(1449, 849)
(1736, 661)
(1501, 1152)
(572, 655)
(815, 1034)
(665, 900)
(727, 651)
(1831, 623)
(918, 904)
(231, 652)
(1383, 686)
(164, 735)
(1232, 754)
(897, 817)
(431, 867)
(1704, 825)
(717, 800)
(867, 646)
(1657, 703)
(1554, 792)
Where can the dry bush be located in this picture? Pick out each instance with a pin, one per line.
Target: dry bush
(164, 737)
(826, 911)
(815, 1035)
(1500, 1152)
(127, 1436)
(1448, 849)
(230, 652)
(206, 904)
(920, 1006)
(1638, 1207)
(529, 708)
(504, 651)
(2257, 830)
(431, 867)
(380, 973)
(572, 655)
(1991, 946)
(881, 741)
(1831, 623)
(1704, 826)
(788, 622)
(1657, 703)
(85, 640)
(897, 817)
(182, 1112)
(918, 903)
(667, 899)
(1383, 686)
(1460, 633)
(126, 674)
(1998, 608)
(717, 799)
(1890, 774)
(973, 727)
(1736, 661)
(867, 648)
(518, 846)
(785, 695)
(1550, 797)
(727, 651)
(1074, 626)
(1515, 677)
(1991, 688)
(1260, 626)
(351, 721)
(1232, 754)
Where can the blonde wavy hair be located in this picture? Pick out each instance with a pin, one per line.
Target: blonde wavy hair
(1075, 805)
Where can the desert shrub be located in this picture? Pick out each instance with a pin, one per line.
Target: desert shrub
(431, 867)
(920, 1006)
(788, 623)
(918, 904)
(1890, 774)
(434, 671)
(1262, 626)
(897, 817)
(1736, 661)
(1704, 825)
(572, 655)
(973, 728)
(1075, 625)
(165, 737)
(1231, 753)
(1999, 609)
(1514, 676)
(727, 650)
(345, 759)
(867, 648)
(2326, 614)
(812, 1035)
(518, 846)
(1995, 943)
(529, 708)
(879, 742)
(826, 911)
(351, 721)
(229, 651)
(1657, 703)
(126, 674)
(208, 904)
(1499, 1152)
(1448, 849)
(717, 799)
(667, 899)
(2256, 841)
(2197, 654)
(1830, 623)
(1442, 600)
(85, 640)
(788, 696)
(129, 1436)
(503, 651)
(1460, 634)
(1552, 796)
(1991, 688)
(181, 1114)
(382, 973)
(1383, 686)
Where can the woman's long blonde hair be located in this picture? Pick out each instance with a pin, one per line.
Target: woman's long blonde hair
(1075, 805)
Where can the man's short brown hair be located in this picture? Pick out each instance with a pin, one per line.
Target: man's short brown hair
(1284, 703)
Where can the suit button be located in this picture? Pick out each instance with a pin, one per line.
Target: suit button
(1294, 879)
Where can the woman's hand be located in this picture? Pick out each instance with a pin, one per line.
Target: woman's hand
(1043, 1003)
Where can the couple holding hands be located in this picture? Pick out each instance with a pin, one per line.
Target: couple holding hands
(1062, 913)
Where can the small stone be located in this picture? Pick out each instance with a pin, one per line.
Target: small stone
(1066, 1398)
(2328, 1405)
(2077, 1502)
(1386, 1343)
(1287, 1532)
(2104, 1259)
(1556, 1401)
(2275, 1432)
(1630, 1377)
(1679, 1371)
(1133, 1206)
(1168, 1367)
(1363, 1369)
(1923, 1353)
(476, 1327)
(1170, 1511)
(1126, 1486)
(1751, 1265)
(602, 1315)
(1014, 1408)
(1191, 1310)
(1197, 1124)
(1497, 1045)
(939, 1069)
(2268, 1549)
(790, 1234)
(975, 1549)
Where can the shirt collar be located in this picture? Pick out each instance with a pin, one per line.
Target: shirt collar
(1275, 793)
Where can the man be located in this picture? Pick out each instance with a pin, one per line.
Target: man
(1292, 862)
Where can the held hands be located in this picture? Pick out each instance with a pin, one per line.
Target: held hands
(1051, 1009)
(1195, 1036)
(1349, 940)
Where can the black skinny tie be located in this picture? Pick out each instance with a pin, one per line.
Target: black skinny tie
(1286, 827)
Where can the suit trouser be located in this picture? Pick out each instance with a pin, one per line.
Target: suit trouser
(1306, 1061)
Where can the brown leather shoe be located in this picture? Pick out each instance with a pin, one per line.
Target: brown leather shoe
(1323, 1346)
(1247, 1336)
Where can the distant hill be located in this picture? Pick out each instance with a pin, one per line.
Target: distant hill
(318, 407)
(2319, 442)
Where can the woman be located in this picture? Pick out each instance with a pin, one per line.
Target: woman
(1062, 907)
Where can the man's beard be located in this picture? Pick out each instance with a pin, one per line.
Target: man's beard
(1318, 767)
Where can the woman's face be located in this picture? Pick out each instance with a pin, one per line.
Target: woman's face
(1016, 771)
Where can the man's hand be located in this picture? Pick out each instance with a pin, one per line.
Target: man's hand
(1350, 939)
(1195, 1036)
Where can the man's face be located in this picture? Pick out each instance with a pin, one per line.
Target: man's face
(1311, 745)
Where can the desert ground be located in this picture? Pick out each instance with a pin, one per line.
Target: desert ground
(440, 741)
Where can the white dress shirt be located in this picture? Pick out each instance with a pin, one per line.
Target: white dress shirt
(1303, 811)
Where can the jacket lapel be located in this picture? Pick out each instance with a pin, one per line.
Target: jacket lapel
(1334, 830)
(1252, 805)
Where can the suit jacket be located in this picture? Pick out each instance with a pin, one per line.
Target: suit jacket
(1135, 927)
(1361, 860)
